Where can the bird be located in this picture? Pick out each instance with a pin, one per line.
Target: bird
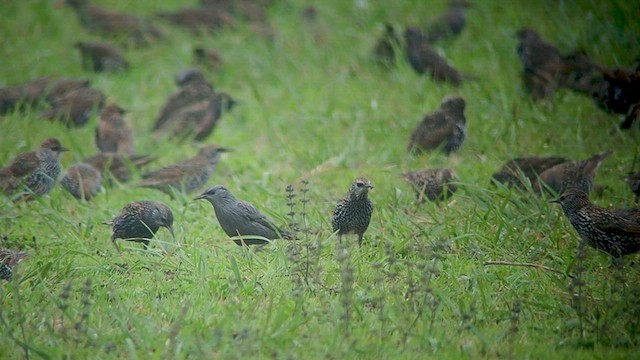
(8, 260)
(113, 133)
(445, 128)
(633, 179)
(198, 120)
(99, 57)
(118, 166)
(423, 58)
(384, 50)
(208, 59)
(568, 174)
(76, 107)
(516, 170)
(541, 64)
(612, 231)
(32, 92)
(450, 23)
(352, 214)
(435, 184)
(579, 73)
(198, 19)
(82, 181)
(240, 218)
(139, 221)
(619, 92)
(188, 175)
(37, 170)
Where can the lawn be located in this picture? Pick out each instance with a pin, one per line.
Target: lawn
(315, 112)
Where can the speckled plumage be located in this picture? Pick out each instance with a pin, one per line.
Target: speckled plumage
(352, 214)
(615, 232)
(423, 58)
(140, 220)
(516, 170)
(434, 184)
(578, 174)
(113, 133)
(445, 128)
(8, 260)
(99, 57)
(82, 181)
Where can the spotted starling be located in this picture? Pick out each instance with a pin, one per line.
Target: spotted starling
(445, 128)
(188, 175)
(37, 170)
(140, 220)
(434, 184)
(515, 171)
(76, 107)
(113, 133)
(541, 64)
(118, 166)
(577, 174)
(240, 218)
(99, 57)
(353, 213)
(8, 260)
(615, 232)
(208, 59)
(384, 50)
(423, 58)
(82, 181)
(450, 23)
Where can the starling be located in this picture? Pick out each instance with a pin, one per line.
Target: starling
(434, 184)
(577, 174)
(113, 133)
(187, 175)
(140, 220)
(8, 260)
(199, 119)
(353, 213)
(118, 165)
(615, 232)
(384, 50)
(99, 57)
(423, 58)
(208, 59)
(240, 218)
(445, 128)
(37, 89)
(619, 92)
(541, 64)
(198, 19)
(37, 170)
(76, 107)
(450, 23)
(516, 170)
(579, 73)
(82, 181)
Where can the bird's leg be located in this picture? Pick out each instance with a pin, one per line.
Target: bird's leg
(360, 236)
(340, 239)
(113, 240)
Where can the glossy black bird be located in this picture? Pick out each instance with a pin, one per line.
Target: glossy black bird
(139, 221)
(352, 214)
(445, 128)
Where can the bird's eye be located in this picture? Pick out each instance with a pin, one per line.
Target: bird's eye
(360, 184)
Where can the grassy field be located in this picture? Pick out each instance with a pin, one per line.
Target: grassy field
(313, 107)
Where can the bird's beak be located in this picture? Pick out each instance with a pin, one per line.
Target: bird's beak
(63, 149)
(225, 149)
(369, 186)
(554, 201)
(199, 197)
(170, 227)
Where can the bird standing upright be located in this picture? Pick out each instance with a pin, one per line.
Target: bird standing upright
(113, 133)
(446, 128)
(139, 221)
(352, 214)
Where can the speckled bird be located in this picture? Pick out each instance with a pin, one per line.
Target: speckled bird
(76, 107)
(113, 133)
(353, 213)
(8, 260)
(541, 64)
(139, 221)
(515, 171)
(434, 184)
(99, 57)
(445, 128)
(81, 180)
(579, 174)
(450, 23)
(118, 166)
(424, 59)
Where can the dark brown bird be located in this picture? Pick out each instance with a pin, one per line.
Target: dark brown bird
(8, 260)
(199, 119)
(139, 221)
(208, 59)
(450, 23)
(188, 175)
(113, 133)
(384, 52)
(353, 213)
(423, 58)
(615, 232)
(198, 19)
(517, 171)
(541, 64)
(76, 107)
(579, 73)
(578, 174)
(619, 92)
(99, 57)
(446, 128)
(434, 184)
(117, 25)
(32, 92)
(81, 180)
(119, 166)
(37, 170)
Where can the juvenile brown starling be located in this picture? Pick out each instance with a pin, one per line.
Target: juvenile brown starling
(353, 213)
(98, 57)
(118, 165)
(8, 260)
(199, 119)
(198, 19)
(445, 128)
(208, 59)
(188, 175)
(76, 107)
(37, 170)
(578, 174)
(384, 50)
(615, 232)
(113, 133)
(434, 184)
(450, 23)
(541, 64)
(35, 90)
(82, 181)
(240, 218)
(140, 220)
(516, 170)
(423, 58)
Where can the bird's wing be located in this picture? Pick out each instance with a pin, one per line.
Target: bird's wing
(24, 164)
(617, 224)
(252, 214)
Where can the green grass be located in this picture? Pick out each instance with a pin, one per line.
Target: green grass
(314, 107)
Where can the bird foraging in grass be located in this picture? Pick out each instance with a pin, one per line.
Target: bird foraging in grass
(139, 221)
(445, 128)
(579, 174)
(82, 181)
(352, 214)
(433, 184)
